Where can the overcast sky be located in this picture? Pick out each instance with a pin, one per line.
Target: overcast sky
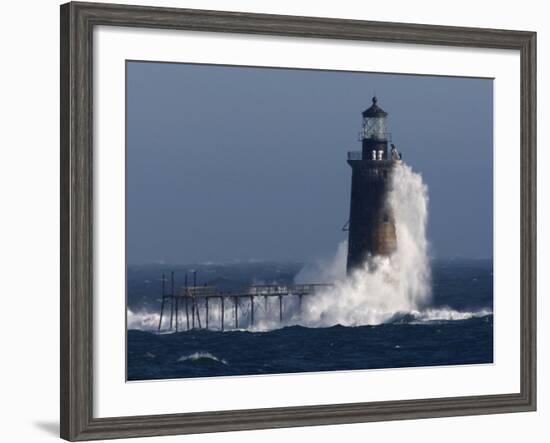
(233, 163)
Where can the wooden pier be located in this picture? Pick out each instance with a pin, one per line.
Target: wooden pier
(192, 305)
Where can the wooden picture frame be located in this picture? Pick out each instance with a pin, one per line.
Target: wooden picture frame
(77, 23)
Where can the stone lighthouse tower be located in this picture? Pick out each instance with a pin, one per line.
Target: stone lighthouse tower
(371, 222)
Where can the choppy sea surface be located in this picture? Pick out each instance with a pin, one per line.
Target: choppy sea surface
(455, 329)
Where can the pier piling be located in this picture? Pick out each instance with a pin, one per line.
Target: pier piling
(223, 311)
(162, 303)
(251, 310)
(186, 303)
(206, 306)
(236, 300)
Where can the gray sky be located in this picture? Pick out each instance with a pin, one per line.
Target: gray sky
(232, 163)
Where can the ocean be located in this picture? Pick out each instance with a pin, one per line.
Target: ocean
(453, 327)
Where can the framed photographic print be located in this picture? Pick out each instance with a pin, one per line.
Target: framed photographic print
(272, 221)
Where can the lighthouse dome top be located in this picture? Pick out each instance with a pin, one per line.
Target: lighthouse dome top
(375, 110)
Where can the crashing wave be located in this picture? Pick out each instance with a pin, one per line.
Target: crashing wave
(197, 356)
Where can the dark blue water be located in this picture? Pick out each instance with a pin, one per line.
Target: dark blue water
(460, 285)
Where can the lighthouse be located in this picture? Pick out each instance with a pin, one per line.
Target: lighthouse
(371, 226)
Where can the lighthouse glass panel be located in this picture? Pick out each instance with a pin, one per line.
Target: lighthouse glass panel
(252, 251)
(375, 128)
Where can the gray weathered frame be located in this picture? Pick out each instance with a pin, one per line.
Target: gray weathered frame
(77, 23)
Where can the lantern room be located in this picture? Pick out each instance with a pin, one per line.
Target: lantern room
(375, 123)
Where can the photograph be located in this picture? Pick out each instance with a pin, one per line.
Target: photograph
(264, 221)
(283, 220)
